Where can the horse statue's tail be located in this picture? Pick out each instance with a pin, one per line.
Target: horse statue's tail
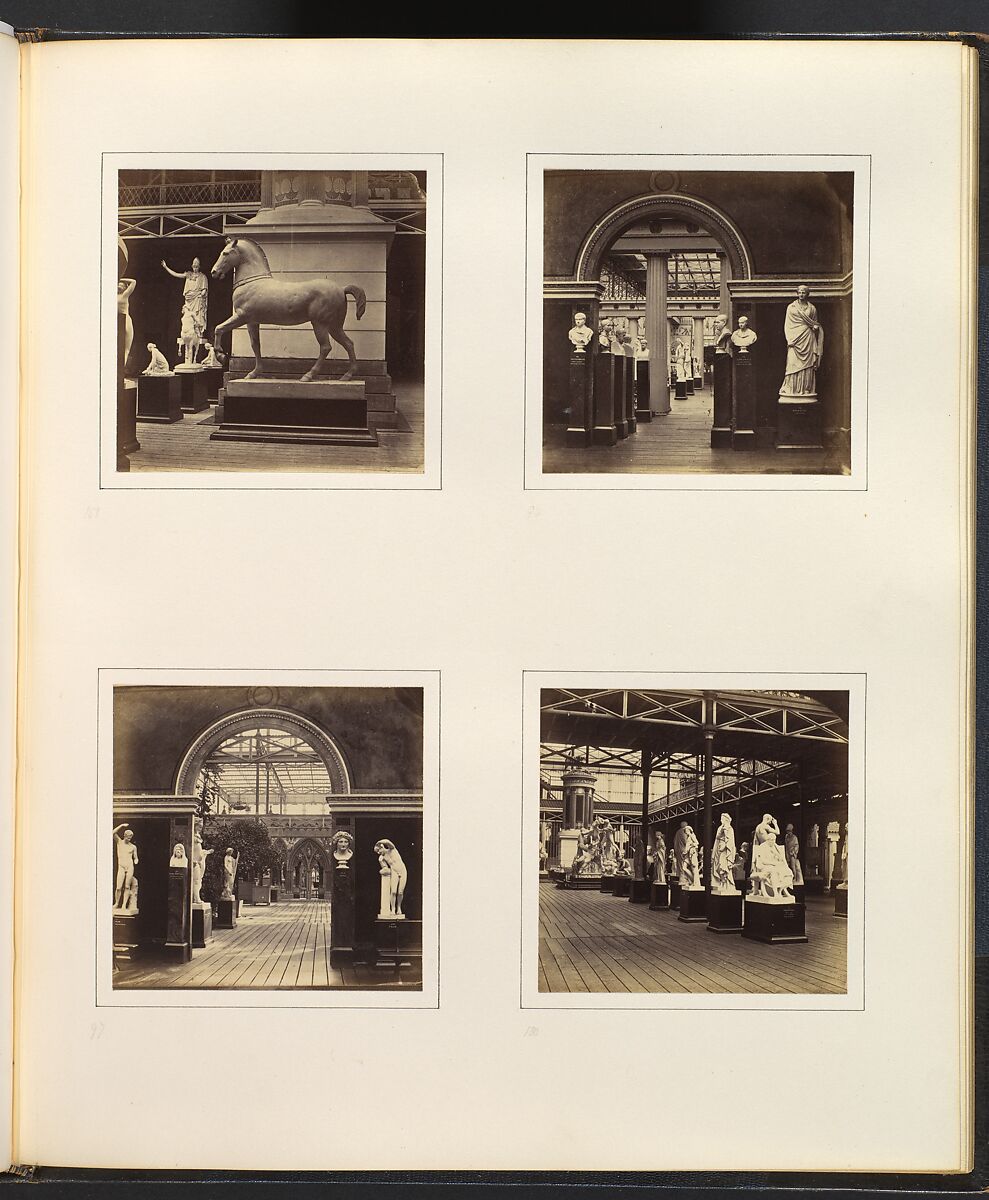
(359, 297)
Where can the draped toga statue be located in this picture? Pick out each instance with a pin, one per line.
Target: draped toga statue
(804, 346)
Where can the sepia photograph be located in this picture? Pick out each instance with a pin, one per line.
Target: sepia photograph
(268, 838)
(669, 815)
(694, 322)
(271, 320)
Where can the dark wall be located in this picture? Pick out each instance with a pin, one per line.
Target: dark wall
(406, 833)
(405, 333)
(794, 222)
(156, 302)
(379, 730)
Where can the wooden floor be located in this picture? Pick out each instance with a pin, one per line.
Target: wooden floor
(284, 945)
(186, 446)
(592, 942)
(678, 442)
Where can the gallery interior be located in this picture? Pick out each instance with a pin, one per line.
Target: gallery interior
(267, 838)
(322, 254)
(667, 815)
(646, 268)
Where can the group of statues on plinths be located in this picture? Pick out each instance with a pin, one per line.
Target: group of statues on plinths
(804, 341)
(598, 851)
(191, 339)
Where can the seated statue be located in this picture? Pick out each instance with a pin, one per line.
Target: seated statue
(159, 363)
(770, 876)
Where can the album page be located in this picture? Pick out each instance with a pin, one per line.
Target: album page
(496, 529)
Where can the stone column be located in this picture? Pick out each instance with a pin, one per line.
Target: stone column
(578, 809)
(708, 788)
(725, 298)
(657, 272)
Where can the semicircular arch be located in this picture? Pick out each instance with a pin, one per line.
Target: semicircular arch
(287, 721)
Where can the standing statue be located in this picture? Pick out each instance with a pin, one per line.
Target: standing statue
(199, 857)
(606, 853)
(125, 888)
(791, 845)
(125, 288)
(680, 840)
(743, 337)
(230, 862)
(195, 294)
(690, 869)
(258, 298)
(739, 865)
(158, 364)
(804, 347)
(813, 837)
(771, 877)
(584, 853)
(394, 874)
(580, 334)
(723, 859)
(844, 861)
(660, 857)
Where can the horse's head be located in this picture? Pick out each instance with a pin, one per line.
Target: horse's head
(230, 256)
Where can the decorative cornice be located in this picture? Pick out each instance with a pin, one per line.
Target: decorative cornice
(784, 287)
(146, 804)
(572, 289)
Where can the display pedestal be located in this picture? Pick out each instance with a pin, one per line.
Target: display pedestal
(693, 904)
(622, 885)
(680, 390)
(721, 428)
(642, 410)
(689, 384)
(798, 424)
(659, 896)
(841, 902)
(674, 893)
(767, 921)
(639, 891)
(178, 932)
(605, 399)
(607, 883)
(274, 895)
(798, 892)
(814, 884)
(320, 413)
(226, 914)
(125, 940)
(202, 925)
(214, 381)
(194, 394)
(397, 943)
(743, 402)
(724, 913)
(579, 428)
(159, 399)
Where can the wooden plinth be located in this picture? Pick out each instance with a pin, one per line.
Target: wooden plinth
(774, 923)
(724, 913)
(659, 896)
(639, 891)
(607, 883)
(397, 944)
(743, 435)
(202, 925)
(320, 413)
(226, 914)
(194, 390)
(693, 904)
(622, 886)
(841, 902)
(798, 424)
(674, 893)
(159, 399)
(721, 427)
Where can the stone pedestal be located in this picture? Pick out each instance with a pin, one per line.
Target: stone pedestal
(680, 390)
(226, 914)
(798, 424)
(743, 435)
(814, 885)
(798, 892)
(630, 420)
(724, 913)
(767, 921)
(623, 381)
(159, 399)
(689, 384)
(316, 224)
(125, 939)
(659, 896)
(194, 395)
(721, 427)
(639, 891)
(274, 895)
(607, 883)
(841, 902)
(622, 886)
(693, 904)
(202, 925)
(319, 413)
(581, 417)
(674, 885)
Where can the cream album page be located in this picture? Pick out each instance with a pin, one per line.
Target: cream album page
(495, 584)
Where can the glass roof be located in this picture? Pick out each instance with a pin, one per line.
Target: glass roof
(265, 770)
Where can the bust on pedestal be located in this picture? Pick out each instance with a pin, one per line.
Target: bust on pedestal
(743, 387)
(581, 423)
(721, 423)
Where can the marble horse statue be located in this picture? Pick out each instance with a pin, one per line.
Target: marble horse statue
(257, 298)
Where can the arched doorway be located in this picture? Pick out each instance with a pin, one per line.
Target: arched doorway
(661, 265)
(308, 870)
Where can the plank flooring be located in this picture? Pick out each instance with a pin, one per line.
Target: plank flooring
(284, 945)
(677, 443)
(186, 446)
(592, 942)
